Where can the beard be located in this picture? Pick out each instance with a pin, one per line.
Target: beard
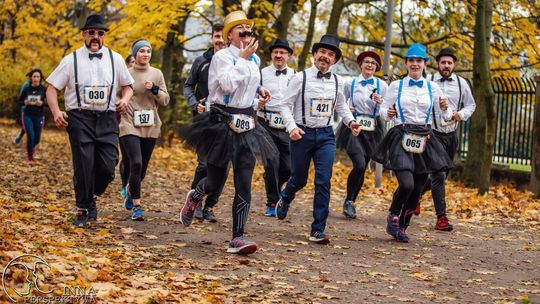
(446, 72)
(89, 45)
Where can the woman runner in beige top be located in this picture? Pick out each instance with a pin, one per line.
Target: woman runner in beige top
(140, 124)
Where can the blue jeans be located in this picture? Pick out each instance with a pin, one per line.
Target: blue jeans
(32, 125)
(319, 145)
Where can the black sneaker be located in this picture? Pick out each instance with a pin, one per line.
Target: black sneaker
(349, 210)
(282, 207)
(199, 213)
(81, 217)
(92, 212)
(208, 214)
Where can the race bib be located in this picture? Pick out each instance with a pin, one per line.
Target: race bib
(366, 123)
(143, 118)
(241, 123)
(33, 99)
(444, 122)
(275, 120)
(95, 95)
(321, 107)
(414, 143)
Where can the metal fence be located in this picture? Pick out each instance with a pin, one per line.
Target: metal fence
(513, 135)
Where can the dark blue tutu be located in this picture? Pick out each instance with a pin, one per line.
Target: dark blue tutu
(393, 157)
(364, 144)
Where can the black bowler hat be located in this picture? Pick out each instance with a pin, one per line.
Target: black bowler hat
(446, 52)
(278, 43)
(95, 22)
(330, 42)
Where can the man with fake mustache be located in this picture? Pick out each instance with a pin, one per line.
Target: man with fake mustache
(275, 78)
(461, 102)
(313, 96)
(196, 92)
(91, 75)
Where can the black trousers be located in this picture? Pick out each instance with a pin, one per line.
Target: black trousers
(355, 181)
(407, 195)
(138, 151)
(242, 186)
(277, 170)
(200, 173)
(93, 137)
(437, 180)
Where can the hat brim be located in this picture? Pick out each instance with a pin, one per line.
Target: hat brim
(95, 27)
(228, 27)
(443, 55)
(273, 47)
(331, 47)
(414, 56)
(372, 55)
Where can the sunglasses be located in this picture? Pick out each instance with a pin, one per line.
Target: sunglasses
(93, 32)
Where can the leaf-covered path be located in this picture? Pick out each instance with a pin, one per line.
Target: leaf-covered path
(492, 256)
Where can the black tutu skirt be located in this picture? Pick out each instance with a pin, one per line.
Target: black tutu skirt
(364, 144)
(393, 156)
(280, 136)
(211, 137)
(449, 142)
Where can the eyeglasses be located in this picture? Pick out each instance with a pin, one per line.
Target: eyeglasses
(93, 32)
(369, 62)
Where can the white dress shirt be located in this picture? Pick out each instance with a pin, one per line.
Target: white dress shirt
(315, 88)
(277, 85)
(415, 103)
(450, 89)
(362, 104)
(90, 72)
(233, 76)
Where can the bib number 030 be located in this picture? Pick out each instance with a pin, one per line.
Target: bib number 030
(414, 143)
(241, 123)
(95, 95)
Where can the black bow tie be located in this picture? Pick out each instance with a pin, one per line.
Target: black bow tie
(325, 75)
(443, 79)
(284, 72)
(96, 55)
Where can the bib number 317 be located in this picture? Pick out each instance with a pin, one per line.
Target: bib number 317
(414, 143)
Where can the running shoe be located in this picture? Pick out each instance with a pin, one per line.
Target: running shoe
(319, 237)
(188, 210)
(208, 214)
(240, 245)
(81, 217)
(270, 211)
(349, 209)
(392, 225)
(137, 214)
(443, 224)
(402, 235)
(282, 207)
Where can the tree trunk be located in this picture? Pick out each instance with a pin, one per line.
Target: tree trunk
(172, 64)
(335, 15)
(309, 36)
(482, 133)
(535, 163)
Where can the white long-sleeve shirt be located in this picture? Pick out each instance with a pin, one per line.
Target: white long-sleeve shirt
(316, 89)
(277, 85)
(450, 89)
(232, 80)
(414, 103)
(362, 104)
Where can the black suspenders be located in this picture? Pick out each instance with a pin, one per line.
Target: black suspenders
(77, 80)
(304, 99)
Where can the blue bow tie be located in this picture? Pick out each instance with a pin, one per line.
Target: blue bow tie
(419, 83)
(366, 82)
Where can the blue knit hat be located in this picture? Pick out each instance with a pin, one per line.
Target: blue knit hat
(417, 50)
(139, 44)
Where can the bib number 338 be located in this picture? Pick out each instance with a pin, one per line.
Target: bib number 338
(241, 123)
(414, 143)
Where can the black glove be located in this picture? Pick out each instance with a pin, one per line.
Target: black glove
(154, 89)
